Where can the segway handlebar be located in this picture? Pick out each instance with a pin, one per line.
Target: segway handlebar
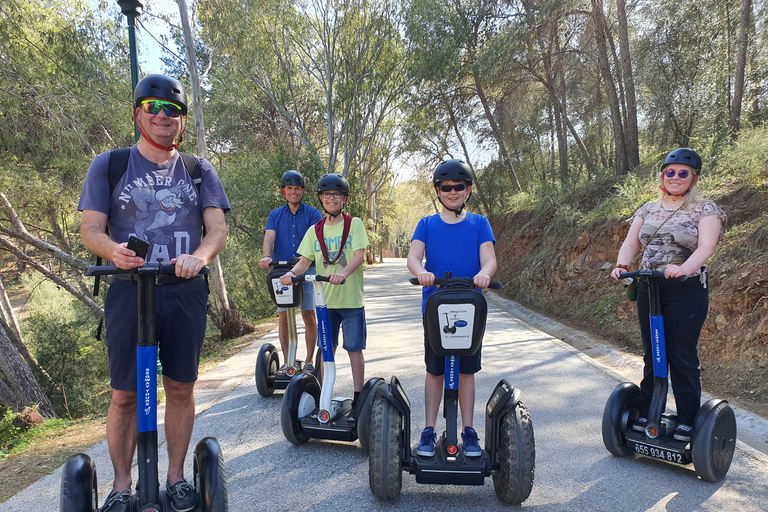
(305, 277)
(658, 274)
(154, 268)
(466, 281)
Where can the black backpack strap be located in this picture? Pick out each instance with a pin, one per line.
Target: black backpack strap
(118, 164)
(193, 168)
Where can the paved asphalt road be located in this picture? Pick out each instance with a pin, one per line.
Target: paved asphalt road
(564, 390)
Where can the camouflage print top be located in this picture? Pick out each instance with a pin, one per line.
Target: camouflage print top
(678, 235)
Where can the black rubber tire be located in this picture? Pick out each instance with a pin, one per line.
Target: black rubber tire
(267, 364)
(713, 445)
(364, 417)
(626, 397)
(210, 476)
(79, 487)
(517, 450)
(290, 421)
(385, 474)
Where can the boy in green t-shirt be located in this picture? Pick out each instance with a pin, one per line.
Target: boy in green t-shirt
(339, 258)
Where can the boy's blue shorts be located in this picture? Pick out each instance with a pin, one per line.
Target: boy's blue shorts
(180, 317)
(436, 364)
(352, 321)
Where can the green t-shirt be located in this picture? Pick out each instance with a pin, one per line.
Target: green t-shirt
(350, 294)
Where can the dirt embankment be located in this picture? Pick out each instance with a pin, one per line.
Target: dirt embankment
(551, 266)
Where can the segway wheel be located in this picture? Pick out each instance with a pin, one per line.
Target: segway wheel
(622, 408)
(79, 489)
(714, 443)
(267, 364)
(364, 412)
(210, 477)
(517, 454)
(385, 475)
(301, 398)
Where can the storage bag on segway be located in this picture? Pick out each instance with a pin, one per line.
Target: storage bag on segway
(284, 296)
(455, 319)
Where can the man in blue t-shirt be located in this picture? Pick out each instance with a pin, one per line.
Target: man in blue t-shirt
(285, 228)
(460, 242)
(156, 201)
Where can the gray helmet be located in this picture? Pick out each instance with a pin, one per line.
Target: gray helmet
(453, 169)
(292, 178)
(331, 182)
(684, 156)
(163, 87)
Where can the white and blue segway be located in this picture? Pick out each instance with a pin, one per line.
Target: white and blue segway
(509, 453)
(309, 412)
(713, 439)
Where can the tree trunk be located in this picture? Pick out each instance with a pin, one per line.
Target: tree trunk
(631, 134)
(622, 162)
(21, 379)
(228, 318)
(496, 132)
(734, 121)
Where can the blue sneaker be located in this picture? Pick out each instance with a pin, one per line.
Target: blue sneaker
(427, 444)
(471, 442)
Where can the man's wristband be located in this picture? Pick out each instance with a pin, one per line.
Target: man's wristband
(625, 267)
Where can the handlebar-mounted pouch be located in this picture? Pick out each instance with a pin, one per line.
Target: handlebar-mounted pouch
(455, 319)
(284, 296)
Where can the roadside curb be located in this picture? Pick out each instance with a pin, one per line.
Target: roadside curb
(752, 429)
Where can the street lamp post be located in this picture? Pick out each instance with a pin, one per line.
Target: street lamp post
(132, 9)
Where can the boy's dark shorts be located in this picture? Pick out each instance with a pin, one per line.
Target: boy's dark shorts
(180, 319)
(436, 364)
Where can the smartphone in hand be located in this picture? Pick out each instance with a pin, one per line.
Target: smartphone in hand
(139, 246)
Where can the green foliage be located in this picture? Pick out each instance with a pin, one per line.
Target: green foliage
(60, 332)
(9, 433)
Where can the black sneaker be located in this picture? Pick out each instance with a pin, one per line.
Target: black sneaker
(117, 502)
(683, 433)
(640, 424)
(352, 415)
(183, 496)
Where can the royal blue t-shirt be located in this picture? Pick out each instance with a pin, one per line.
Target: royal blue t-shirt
(290, 228)
(452, 247)
(158, 203)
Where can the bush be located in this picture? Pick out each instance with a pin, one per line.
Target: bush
(60, 333)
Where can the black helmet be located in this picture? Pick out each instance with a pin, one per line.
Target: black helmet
(163, 87)
(292, 178)
(454, 169)
(684, 156)
(331, 182)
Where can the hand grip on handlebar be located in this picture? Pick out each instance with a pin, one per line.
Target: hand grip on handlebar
(322, 279)
(150, 268)
(658, 274)
(466, 280)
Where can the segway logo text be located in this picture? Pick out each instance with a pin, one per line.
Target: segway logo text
(147, 394)
(658, 345)
(452, 375)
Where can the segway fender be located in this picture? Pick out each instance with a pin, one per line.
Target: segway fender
(617, 404)
(78, 483)
(210, 476)
(701, 416)
(395, 393)
(363, 412)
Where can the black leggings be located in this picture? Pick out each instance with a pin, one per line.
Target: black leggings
(684, 306)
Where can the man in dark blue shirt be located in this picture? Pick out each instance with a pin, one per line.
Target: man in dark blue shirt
(285, 229)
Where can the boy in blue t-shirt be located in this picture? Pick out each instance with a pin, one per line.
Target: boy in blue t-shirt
(460, 242)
